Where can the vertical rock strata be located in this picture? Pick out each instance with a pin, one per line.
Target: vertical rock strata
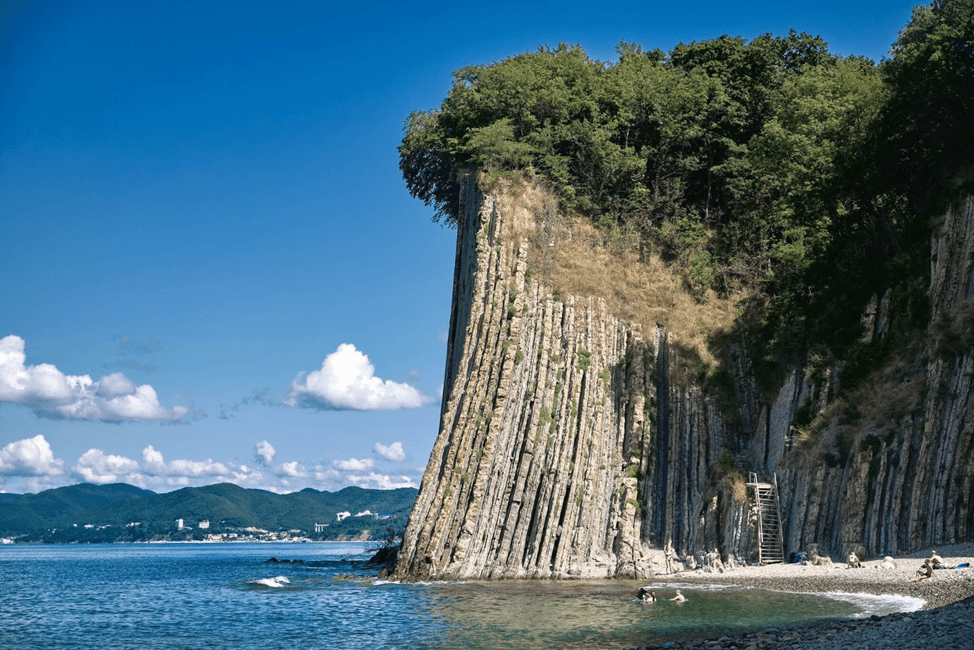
(567, 448)
(903, 477)
(548, 462)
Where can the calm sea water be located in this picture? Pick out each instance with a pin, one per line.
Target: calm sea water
(228, 596)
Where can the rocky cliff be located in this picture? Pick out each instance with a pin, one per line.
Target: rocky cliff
(894, 467)
(573, 443)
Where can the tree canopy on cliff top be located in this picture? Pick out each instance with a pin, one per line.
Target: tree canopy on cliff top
(770, 165)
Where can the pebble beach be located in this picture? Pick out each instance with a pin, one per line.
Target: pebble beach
(944, 622)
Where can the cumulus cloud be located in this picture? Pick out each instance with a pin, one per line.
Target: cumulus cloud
(292, 469)
(154, 463)
(30, 457)
(95, 466)
(393, 452)
(324, 474)
(158, 473)
(381, 481)
(347, 381)
(353, 464)
(113, 398)
(265, 452)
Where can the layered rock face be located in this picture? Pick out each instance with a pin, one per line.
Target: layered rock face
(569, 448)
(902, 473)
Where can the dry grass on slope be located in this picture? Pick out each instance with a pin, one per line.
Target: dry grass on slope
(572, 256)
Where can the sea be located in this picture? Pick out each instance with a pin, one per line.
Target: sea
(293, 596)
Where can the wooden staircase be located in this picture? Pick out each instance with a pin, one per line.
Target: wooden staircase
(770, 543)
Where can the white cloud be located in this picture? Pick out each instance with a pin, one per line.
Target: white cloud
(347, 381)
(293, 469)
(30, 457)
(324, 474)
(115, 385)
(393, 452)
(113, 398)
(353, 464)
(94, 466)
(152, 460)
(381, 481)
(194, 468)
(265, 452)
(154, 463)
(158, 474)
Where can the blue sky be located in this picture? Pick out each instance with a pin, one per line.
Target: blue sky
(210, 268)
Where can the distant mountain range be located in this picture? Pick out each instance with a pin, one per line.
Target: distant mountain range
(121, 512)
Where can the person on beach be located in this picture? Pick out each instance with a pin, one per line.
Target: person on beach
(818, 560)
(926, 571)
(679, 597)
(888, 563)
(853, 561)
(936, 560)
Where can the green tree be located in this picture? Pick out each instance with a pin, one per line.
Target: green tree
(927, 125)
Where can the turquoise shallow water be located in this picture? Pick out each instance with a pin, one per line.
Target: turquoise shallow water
(223, 596)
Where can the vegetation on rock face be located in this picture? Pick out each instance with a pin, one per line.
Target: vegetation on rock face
(769, 167)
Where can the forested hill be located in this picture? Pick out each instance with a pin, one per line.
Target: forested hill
(121, 512)
(769, 171)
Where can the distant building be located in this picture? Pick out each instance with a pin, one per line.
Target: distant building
(366, 513)
(179, 524)
(343, 515)
(320, 528)
(205, 524)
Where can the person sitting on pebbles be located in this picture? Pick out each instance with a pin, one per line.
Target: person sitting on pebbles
(853, 561)
(646, 595)
(937, 561)
(679, 597)
(926, 571)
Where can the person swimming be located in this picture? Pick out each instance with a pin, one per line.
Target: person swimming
(679, 597)
(646, 595)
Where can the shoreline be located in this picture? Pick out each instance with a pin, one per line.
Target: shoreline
(945, 587)
(944, 621)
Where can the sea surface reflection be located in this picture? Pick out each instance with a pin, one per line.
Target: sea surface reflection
(229, 596)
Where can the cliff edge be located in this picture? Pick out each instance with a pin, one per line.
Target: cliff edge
(574, 443)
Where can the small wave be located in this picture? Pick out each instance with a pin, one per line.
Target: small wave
(276, 582)
(870, 604)
(694, 586)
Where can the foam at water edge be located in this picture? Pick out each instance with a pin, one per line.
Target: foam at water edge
(278, 581)
(870, 604)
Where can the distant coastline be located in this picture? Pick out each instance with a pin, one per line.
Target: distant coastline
(121, 513)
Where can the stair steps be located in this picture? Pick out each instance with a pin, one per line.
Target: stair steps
(770, 542)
